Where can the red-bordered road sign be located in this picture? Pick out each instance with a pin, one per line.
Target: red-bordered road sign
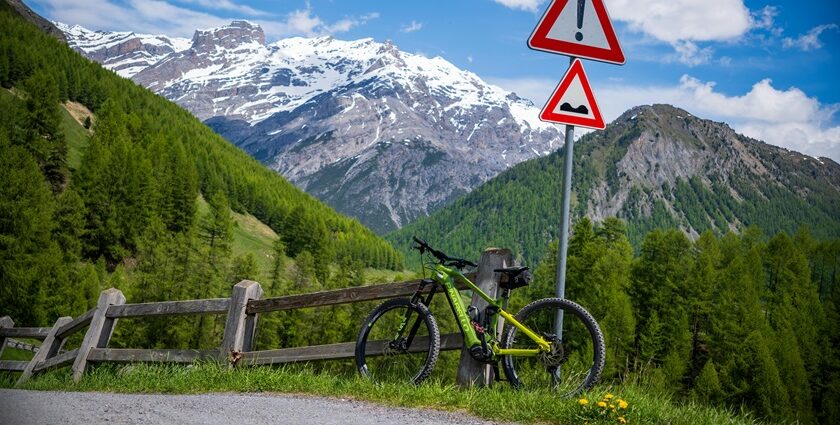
(572, 102)
(578, 28)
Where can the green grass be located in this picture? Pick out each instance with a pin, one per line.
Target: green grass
(499, 403)
(76, 136)
(250, 236)
(11, 353)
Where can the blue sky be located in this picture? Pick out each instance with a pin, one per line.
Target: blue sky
(770, 69)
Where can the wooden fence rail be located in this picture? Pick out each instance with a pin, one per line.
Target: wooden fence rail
(242, 310)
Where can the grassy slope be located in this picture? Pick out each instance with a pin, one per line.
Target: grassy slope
(76, 136)
(74, 133)
(250, 236)
(499, 403)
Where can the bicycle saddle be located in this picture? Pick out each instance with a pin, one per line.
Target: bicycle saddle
(511, 270)
(517, 277)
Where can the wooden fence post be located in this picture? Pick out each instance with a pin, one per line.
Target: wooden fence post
(99, 331)
(240, 327)
(49, 348)
(470, 371)
(5, 322)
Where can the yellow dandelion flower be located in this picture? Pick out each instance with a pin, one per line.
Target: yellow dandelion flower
(602, 404)
(622, 404)
(583, 402)
(621, 420)
(612, 406)
(608, 396)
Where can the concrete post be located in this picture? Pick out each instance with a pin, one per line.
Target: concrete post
(99, 331)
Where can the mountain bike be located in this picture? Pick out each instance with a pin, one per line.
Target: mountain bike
(400, 339)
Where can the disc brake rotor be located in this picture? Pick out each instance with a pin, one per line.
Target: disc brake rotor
(555, 356)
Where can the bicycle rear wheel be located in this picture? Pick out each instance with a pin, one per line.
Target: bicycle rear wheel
(573, 365)
(399, 342)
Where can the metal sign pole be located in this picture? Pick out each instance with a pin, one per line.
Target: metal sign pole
(565, 219)
(560, 291)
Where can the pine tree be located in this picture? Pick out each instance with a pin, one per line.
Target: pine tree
(217, 230)
(26, 209)
(244, 267)
(707, 385)
(69, 218)
(45, 139)
(278, 268)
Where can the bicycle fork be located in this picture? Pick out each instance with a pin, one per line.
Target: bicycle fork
(417, 297)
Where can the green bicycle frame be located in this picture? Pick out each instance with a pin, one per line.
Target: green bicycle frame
(446, 276)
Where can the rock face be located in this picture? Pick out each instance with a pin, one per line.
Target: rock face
(379, 134)
(664, 145)
(126, 53)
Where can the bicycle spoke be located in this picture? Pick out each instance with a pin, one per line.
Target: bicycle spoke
(398, 344)
(569, 366)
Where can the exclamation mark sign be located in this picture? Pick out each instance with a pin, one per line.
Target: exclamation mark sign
(579, 35)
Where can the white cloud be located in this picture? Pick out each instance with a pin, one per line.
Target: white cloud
(685, 24)
(347, 24)
(766, 19)
(684, 20)
(529, 5)
(787, 118)
(689, 53)
(142, 16)
(227, 5)
(303, 22)
(413, 26)
(536, 90)
(810, 40)
(161, 17)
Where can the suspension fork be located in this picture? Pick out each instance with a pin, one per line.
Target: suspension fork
(428, 302)
(417, 297)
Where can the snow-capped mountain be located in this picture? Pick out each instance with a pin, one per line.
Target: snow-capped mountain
(126, 53)
(380, 134)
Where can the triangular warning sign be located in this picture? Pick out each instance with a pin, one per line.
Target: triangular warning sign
(572, 102)
(579, 28)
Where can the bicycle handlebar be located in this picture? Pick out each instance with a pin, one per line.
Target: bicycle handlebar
(459, 263)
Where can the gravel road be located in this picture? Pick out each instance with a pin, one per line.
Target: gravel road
(49, 407)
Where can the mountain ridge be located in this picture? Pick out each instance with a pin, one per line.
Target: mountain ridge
(655, 166)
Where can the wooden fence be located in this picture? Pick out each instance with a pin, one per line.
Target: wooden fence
(242, 309)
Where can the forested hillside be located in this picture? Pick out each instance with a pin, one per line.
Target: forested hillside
(726, 321)
(654, 167)
(118, 204)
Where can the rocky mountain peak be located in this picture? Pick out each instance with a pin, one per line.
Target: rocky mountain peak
(653, 147)
(388, 47)
(229, 36)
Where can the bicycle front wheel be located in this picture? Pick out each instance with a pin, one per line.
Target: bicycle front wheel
(575, 361)
(399, 342)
